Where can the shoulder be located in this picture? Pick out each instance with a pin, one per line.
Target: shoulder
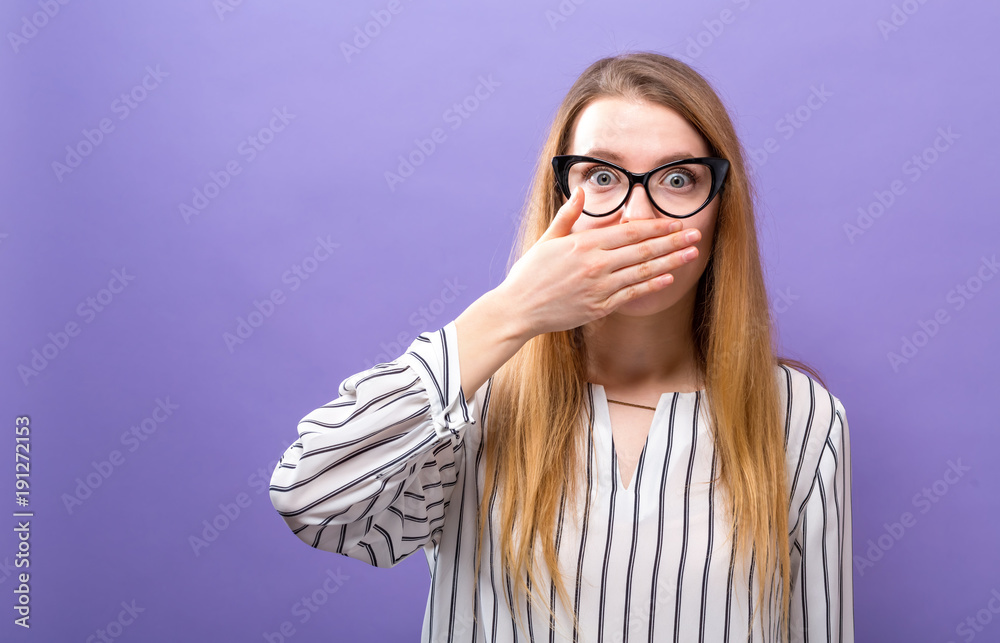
(807, 406)
(815, 426)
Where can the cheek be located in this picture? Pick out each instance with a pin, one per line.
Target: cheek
(586, 222)
(706, 225)
(706, 241)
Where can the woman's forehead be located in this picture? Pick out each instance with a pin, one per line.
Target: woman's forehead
(636, 130)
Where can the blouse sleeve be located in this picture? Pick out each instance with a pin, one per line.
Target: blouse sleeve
(373, 471)
(822, 597)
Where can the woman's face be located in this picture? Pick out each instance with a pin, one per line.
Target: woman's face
(640, 136)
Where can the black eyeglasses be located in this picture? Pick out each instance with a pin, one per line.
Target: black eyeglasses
(678, 189)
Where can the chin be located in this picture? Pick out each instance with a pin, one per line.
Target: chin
(650, 304)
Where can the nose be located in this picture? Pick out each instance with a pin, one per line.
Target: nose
(637, 205)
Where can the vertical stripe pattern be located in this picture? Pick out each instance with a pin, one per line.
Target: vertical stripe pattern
(395, 464)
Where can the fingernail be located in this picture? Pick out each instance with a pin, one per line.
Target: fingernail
(675, 226)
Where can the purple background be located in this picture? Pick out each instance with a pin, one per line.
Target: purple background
(844, 302)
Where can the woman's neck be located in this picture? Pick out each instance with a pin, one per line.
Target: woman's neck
(644, 353)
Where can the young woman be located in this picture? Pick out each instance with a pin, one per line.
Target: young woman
(605, 447)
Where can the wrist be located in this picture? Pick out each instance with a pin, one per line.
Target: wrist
(505, 307)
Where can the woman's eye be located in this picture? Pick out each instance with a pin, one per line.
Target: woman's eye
(602, 177)
(678, 180)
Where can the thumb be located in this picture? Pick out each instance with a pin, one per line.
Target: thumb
(566, 216)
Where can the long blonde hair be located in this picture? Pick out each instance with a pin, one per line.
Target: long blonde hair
(534, 448)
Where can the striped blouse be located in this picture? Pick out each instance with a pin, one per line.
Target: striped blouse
(396, 464)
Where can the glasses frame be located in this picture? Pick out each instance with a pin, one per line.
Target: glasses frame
(719, 168)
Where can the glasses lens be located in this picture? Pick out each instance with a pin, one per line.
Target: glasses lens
(679, 189)
(604, 187)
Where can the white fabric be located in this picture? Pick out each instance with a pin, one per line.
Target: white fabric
(386, 469)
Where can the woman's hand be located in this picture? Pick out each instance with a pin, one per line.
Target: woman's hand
(566, 280)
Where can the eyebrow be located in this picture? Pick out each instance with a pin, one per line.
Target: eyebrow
(614, 156)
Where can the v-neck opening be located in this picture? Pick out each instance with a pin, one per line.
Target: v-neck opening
(635, 472)
(606, 413)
